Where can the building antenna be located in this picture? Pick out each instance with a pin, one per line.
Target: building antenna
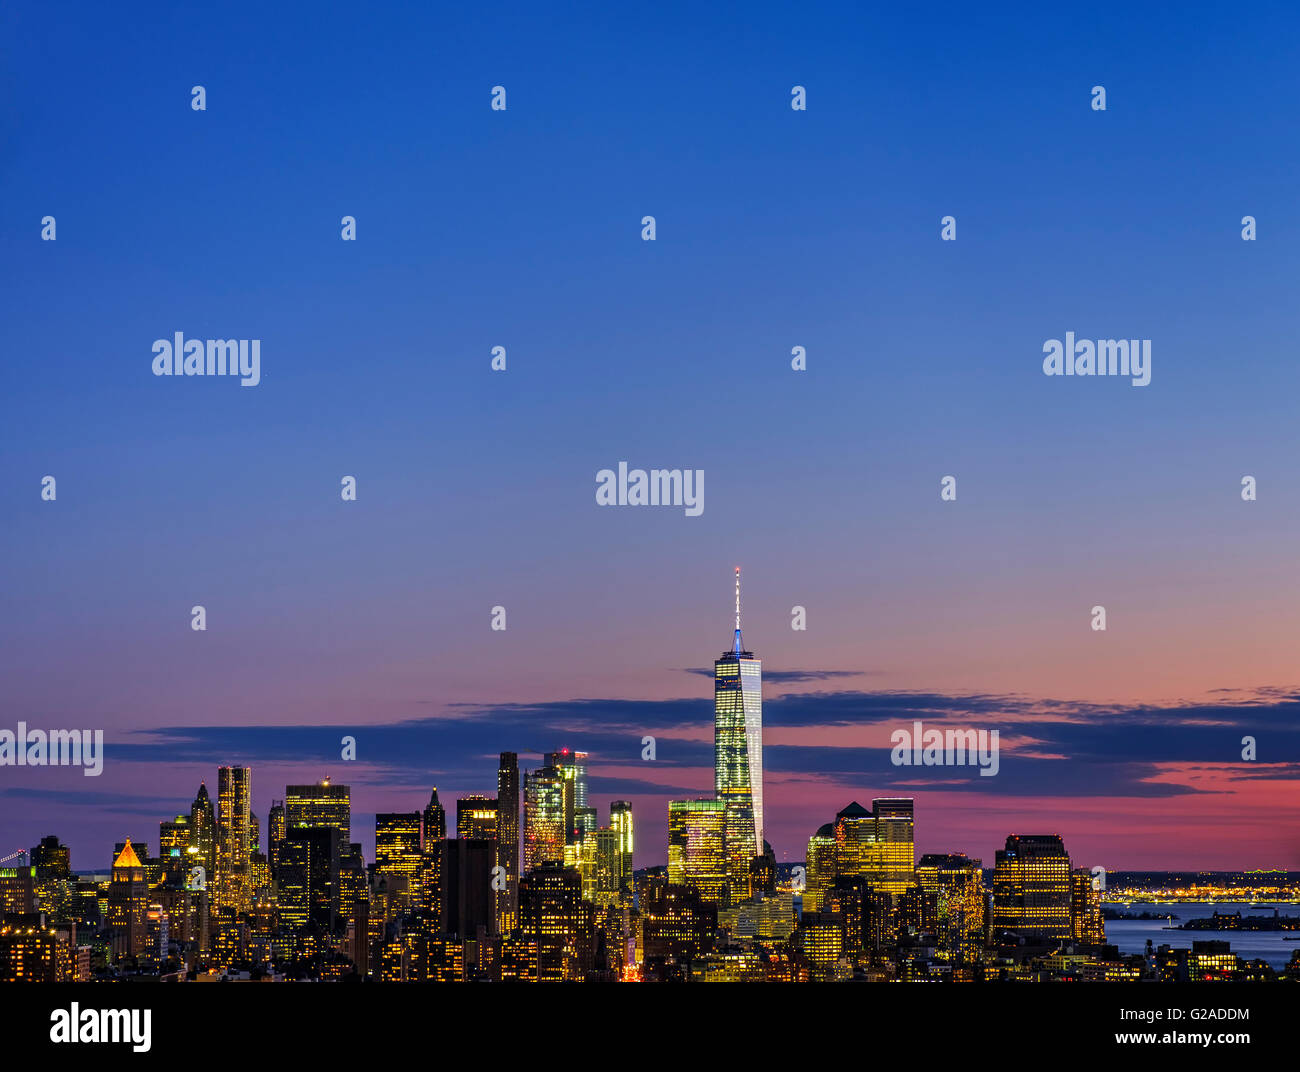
(737, 597)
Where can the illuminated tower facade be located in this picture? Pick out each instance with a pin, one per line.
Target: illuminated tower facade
(894, 857)
(309, 810)
(508, 841)
(203, 833)
(697, 848)
(601, 866)
(435, 820)
(476, 817)
(738, 750)
(546, 792)
(397, 848)
(234, 788)
(128, 907)
(429, 896)
(323, 804)
(620, 818)
(275, 834)
(1031, 889)
(820, 870)
(1086, 923)
(957, 883)
(579, 818)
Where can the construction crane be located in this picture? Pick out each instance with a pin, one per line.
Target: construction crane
(14, 856)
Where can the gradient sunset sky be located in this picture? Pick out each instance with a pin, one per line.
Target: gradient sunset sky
(775, 229)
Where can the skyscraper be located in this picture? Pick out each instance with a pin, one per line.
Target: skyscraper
(203, 833)
(601, 864)
(508, 840)
(546, 792)
(1031, 889)
(309, 878)
(738, 750)
(821, 867)
(275, 834)
(128, 892)
(318, 805)
(620, 818)
(876, 845)
(957, 882)
(435, 820)
(476, 817)
(578, 817)
(397, 848)
(1086, 923)
(429, 896)
(554, 917)
(468, 906)
(234, 787)
(894, 859)
(317, 863)
(697, 848)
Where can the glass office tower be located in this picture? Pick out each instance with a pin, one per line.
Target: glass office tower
(738, 749)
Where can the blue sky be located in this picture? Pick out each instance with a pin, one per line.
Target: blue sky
(522, 229)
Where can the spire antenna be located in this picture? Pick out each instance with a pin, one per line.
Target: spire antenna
(737, 597)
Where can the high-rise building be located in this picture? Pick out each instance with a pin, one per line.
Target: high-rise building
(468, 900)
(354, 908)
(309, 879)
(820, 869)
(1086, 922)
(275, 834)
(554, 916)
(397, 849)
(894, 859)
(957, 882)
(601, 866)
(429, 896)
(34, 950)
(51, 859)
(203, 833)
(17, 890)
(697, 848)
(738, 750)
(546, 792)
(855, 841)
(322, 804)
(128, 904)
(507, 837)
(318, 807)
(578, 817)
(435, 820)
(476, 817)
(877, 844)
(234, 788)
(1031, 890)
(620, 818)
(678, 924)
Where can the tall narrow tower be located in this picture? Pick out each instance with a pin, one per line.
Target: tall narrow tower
(507, 899)
(738, 749)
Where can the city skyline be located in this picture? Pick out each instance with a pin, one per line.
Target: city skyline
(550, 894)
(848, 726)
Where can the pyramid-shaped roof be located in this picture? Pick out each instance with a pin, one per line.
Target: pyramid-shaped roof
(127, 857)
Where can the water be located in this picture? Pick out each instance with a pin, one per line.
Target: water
(1131, 934)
